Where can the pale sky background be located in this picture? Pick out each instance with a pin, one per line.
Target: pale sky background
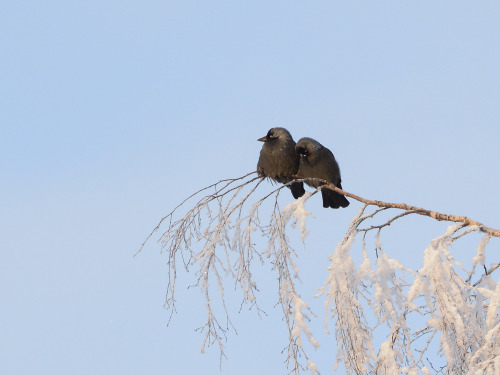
(112, 112)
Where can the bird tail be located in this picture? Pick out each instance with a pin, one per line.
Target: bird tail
(333, 199)
(297, 189)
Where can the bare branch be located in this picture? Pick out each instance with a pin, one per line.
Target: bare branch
(420, 211)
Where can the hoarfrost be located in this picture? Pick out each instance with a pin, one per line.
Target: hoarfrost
(417, 311)
(300, 214)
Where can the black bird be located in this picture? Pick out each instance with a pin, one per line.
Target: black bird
(278, 159)
(317, 161)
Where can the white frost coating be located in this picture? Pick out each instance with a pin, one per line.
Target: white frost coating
(388, 298)
(493, 307)
(342, 303)
(387, 359)
(300, 325)
(432, 256)
(295, 310)
(481, 249)
(389, 305)
(412, 371)
(365, 270)
(409, 371)
(298, 210)
(311, 366)
(442, 304)
(487, 358)
(378, 242)
(448, 297)
(434, 323)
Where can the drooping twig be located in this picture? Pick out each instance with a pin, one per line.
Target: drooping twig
(217, 234)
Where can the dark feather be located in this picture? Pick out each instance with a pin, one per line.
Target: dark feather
(279, 161)
(318, 166)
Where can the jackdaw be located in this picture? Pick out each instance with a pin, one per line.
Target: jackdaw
(278, 159)
(317, 161)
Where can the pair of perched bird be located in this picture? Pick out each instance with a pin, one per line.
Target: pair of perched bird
(284, 161)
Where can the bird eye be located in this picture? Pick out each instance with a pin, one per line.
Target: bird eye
(302, 151)
(270, 134)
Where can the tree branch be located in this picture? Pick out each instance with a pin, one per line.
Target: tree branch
(420, 211)
(214, 231)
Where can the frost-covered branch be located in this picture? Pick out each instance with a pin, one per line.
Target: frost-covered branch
(295, 310)
(388, 318)
(453, 306)
(215, 236)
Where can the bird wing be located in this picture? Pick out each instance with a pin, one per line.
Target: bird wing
(327, 167)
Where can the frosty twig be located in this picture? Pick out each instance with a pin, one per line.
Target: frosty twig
(216, 233)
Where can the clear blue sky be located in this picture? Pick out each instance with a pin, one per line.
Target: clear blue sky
(112, 112)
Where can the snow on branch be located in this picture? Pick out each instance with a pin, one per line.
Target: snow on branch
(387, 318)
(215, 237)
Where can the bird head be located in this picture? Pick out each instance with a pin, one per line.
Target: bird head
(302, 151)
(307, 148)
(277, 133)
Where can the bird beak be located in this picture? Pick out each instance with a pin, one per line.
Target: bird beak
(263, 139)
